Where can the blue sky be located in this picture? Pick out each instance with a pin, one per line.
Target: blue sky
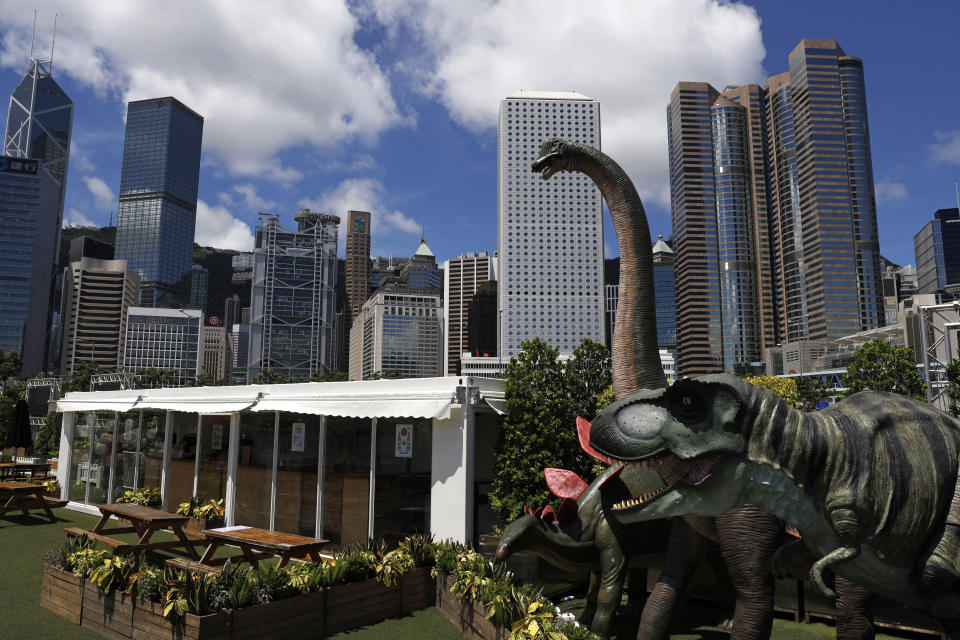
(390, 105)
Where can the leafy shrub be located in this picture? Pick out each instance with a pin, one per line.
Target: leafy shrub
(144, 497)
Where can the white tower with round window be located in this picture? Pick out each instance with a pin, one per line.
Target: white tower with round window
(549, 232)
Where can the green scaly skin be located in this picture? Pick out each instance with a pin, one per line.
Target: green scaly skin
(871, 483)
(592, 541)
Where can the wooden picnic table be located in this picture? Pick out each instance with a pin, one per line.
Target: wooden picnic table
(144, 521)
(257, 544)
(6, 468)
(24, 496)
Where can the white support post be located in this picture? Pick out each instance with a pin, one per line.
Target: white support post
(196, 457)
(468, 460)
(273, 473)
(65, 457)
(113, 456)
(321, 467)
(233, 455)
(373, 476)
(165, 468)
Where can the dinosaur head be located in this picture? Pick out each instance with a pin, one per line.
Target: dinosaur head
(520, 535)
(689, 434)
(555, 156)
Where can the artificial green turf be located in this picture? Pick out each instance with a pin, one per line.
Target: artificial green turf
(25, 540)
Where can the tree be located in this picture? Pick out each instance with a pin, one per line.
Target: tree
(329, 375)
(880, 366)
(48, 436)
(153, 378)
(953, 387)
(10, 365)
(587, 374)
(811, 390)
(206, 380)
(269, 376)
(786, 388)
(79, 380)
(544, 398)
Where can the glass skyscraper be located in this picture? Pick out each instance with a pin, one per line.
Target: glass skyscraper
(773, 212)
(157, 212)
(39, 124)
(937, 251)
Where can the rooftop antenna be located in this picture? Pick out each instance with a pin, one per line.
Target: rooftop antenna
(34, 35)
(53, 40)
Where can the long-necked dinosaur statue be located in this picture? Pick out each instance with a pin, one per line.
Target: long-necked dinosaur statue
(636, 365)
(747, 535)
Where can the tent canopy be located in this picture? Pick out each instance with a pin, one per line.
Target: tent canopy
(408, 398)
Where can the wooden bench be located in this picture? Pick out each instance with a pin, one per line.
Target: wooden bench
(30, 472)
(119, 547)
(190, 565)
(23, 496)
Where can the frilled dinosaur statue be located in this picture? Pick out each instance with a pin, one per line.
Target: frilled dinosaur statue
(871, 482)
(636, 365)
(579, 537)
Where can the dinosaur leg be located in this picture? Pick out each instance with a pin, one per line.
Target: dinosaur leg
(724, 587)
(748, 538)
(684, 550)
(952, 627)
(854, 613)
(613, 571)
(586, 618)
(636, 593)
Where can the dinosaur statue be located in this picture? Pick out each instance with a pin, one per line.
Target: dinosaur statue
(636, 365)
(871, 482)
(584, 539)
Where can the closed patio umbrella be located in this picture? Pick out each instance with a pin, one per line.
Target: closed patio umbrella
(19, 433)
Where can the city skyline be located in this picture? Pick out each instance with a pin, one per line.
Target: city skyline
(425, 157)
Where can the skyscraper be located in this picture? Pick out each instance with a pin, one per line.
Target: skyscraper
(293, 295)
(97, 296)
(164, 339)
(156, 216)
(358, 260)
(550, 233)
(39, 125)
(461, 278)
(199, 279)
(773, 211)
(28, 211)
(936, 248)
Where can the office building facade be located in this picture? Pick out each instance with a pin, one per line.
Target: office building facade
(357, 260)
(240, 347)
(156, 215)
(773, 212)
(293, 295)
(215, 349)
(199, 280)
(550, 233)
(162, 338)
(482, 321)
(936, 248)
(399, 333)
(38, 133)
(97, 296)
(462, 277)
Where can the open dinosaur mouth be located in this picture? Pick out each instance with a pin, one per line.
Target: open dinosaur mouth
(544, 165)
(672, 471)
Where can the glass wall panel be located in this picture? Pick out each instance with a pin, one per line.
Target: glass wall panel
(404, 458)
(183, 453)
(92, 449)
(346, 481)
(298, 448)
(255, 469)
(128, 473)
(214, 448)
(150, 470)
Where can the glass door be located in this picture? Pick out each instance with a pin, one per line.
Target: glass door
(346, 481)
(298, 445)
(93, 445)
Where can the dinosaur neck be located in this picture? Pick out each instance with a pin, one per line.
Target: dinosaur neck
(636, 358)
(563, 550)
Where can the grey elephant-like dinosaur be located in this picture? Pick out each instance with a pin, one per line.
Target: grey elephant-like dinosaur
(871, 482)
(748, 535)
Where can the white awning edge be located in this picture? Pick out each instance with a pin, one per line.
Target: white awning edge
(95, 405)
(212, 407)
(438, 408)
(497, 404)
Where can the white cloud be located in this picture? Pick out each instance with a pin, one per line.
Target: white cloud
(946, 149)
(265, 75)
(75, 218)
(889, 190)
(246, 196)
(102, 194)
(80, 159)
(627, 55)
(365, 194)
(216, 227)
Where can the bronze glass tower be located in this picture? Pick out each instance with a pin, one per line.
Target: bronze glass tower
(773, 211)
(358, 260)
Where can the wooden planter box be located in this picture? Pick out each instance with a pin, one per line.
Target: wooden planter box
(62, 593)
(312, 615)
(199, 525)
(468, 617)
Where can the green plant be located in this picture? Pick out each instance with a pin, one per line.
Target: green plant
(445, 555)
(84, 561)
(536, 625)
(148, 583)
(393, 565)
(186, 593)
(952, 373)
(199, 508)
(786, 388)
(421, 548)
(145, 497)
(114, 573)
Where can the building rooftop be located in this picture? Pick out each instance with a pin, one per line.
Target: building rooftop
(423, 249)
(165, 313)
(661, 246)
(549, 95)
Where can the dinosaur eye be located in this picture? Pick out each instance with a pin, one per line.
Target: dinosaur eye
(688, 409)
(687, 401)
